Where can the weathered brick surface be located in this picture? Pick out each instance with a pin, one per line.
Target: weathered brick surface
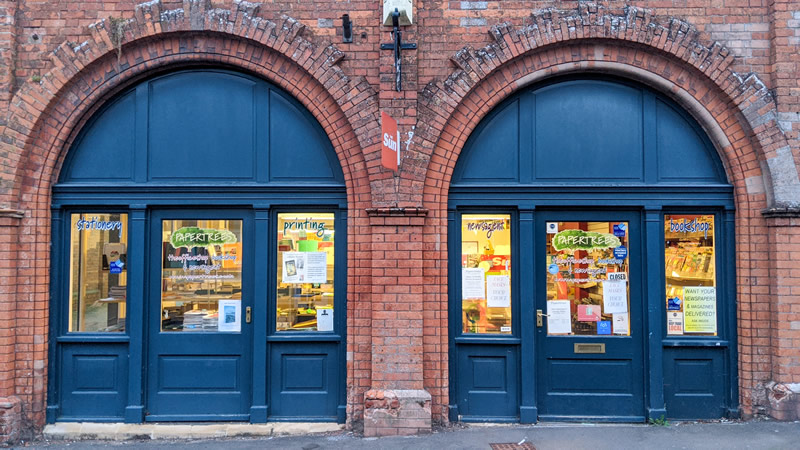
(733, 65)
(396, 412)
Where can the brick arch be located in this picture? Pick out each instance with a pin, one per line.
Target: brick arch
(46, 115)
(737, 112)
(698, 75)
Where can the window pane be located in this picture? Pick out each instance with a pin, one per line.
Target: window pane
(305, 272)
(587, 278)
(486, 273)
(689, 264)
(201, 275)
(98, 272)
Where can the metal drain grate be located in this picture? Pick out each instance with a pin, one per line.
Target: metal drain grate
(513, 446)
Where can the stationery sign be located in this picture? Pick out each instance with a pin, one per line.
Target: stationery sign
(390, 142)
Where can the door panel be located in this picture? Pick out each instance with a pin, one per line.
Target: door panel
(200, 340)
(304, 380)
(590, 344)
(488, 381)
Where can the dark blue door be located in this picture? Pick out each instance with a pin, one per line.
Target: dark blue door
(487, 330)
(589, 301)
(200, 308)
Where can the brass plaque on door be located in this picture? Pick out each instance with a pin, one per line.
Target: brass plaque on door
(590, 348)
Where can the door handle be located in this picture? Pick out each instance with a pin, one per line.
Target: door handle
(248, 314)
(539, 315)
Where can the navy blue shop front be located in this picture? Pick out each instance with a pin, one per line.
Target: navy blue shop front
(589, 154)
(194, 148)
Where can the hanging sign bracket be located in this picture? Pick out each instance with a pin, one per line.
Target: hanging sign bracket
(398, 45)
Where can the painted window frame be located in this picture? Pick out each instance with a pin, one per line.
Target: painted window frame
(339, 273)
(724, 278)
(60, 286)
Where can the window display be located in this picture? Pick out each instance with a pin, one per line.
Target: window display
(689, 259)
(587, 278)
(201, 281)
(98, 272)
(305, 271)
(486, 273)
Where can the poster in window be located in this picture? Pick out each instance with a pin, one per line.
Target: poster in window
(498, 291)
(700, 309)
(559, 319)
(472, 283)
(305, 267)
(229, 315)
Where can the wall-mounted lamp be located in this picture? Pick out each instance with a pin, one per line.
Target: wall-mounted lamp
(404, 7)
(347, 29)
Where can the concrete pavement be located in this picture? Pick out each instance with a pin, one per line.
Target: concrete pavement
(679, 435)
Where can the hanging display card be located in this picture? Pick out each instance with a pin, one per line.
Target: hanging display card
(674, 322)
(472, 284)
(305, 267)
(620, 323)
(559, 320)
(615, 297)
(498, 291)
(229, 315)
(700, 309)
(324, 319)
(589, 313)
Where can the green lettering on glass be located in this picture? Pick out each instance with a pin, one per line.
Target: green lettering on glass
(584, 240)
(190, 237)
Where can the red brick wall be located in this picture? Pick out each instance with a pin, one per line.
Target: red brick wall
(397, 267)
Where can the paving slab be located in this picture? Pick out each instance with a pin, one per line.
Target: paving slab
(85, 431)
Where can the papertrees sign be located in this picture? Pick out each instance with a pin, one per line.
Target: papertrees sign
(390, 143)
(584, 240)
(190, 237)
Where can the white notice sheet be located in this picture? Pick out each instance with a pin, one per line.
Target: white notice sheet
(472, 284)
(229, 316)
(559, 319)
(615, 297)
(305, 267)
(620, 323)
(498, 291)
(316, 267)
(324, 319)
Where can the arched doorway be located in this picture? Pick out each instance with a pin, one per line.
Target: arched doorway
(590, 275)
(199, 258)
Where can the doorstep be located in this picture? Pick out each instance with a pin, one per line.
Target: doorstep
(127, 431)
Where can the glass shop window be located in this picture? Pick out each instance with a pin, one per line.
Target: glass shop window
(689, 257)
(98, 272)
(201, 275)
(305, 272)
(587, 278)
(486, 273)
